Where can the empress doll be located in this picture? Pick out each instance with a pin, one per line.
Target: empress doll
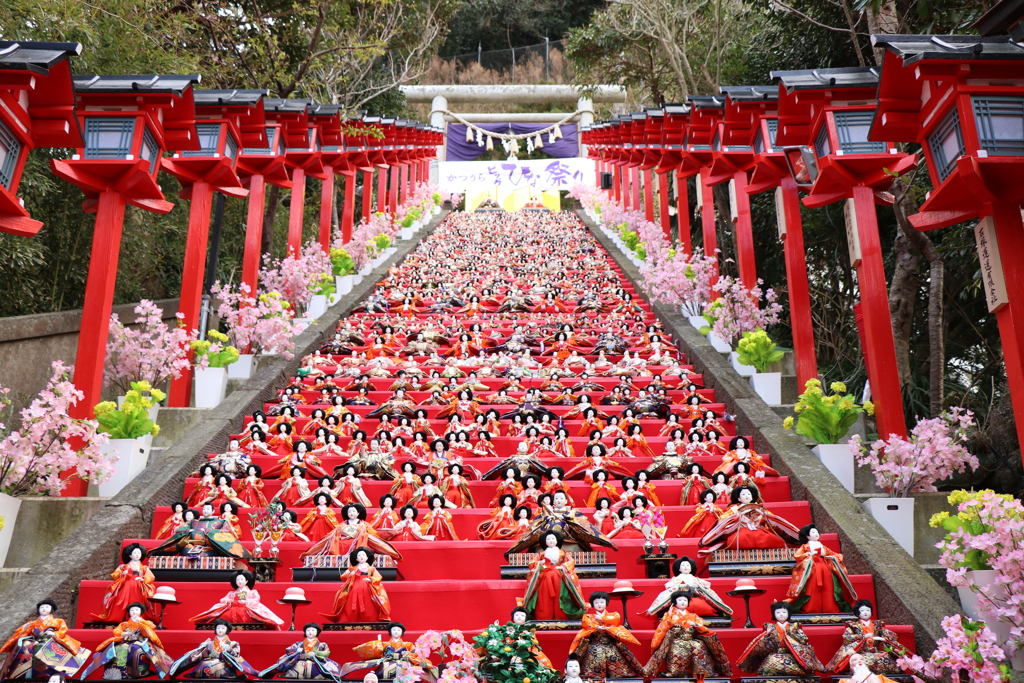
(684, 647)
(552, 586)
(602, 644)
(703, 602)
(748, 524)
(352, 533)
(132, 651)
(361, 597)
(781, 650)
(241, 605)
(820, 582)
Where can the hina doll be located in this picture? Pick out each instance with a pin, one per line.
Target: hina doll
(241, 605)
(175, 521)
(742, 477)
(308, 659)
(405, 486)
(427, 489)
(684, 647)
(250, 491)
(232, 461)
(257, 443)
(820, 583)
(748, 524)
(323, 485)
(739, 451)
(523, 517)
(352, 533)
(317, 419)
(556, 482)
(361, 597)
(704, 518)
(386, 517)
(627, 526)
(552, 586)
(602, 644)
(781, 650)
(723, 492)
(501, 524)
(438, 521)
(604, 516)
(348, 488)
(646, 487)
(704, 601)
(868, 639)
(670, 464)
(601, 488)
(218, 657)
(530, 494)
(713, 444)
(132, 651)
(31, 638)
(204, 536)
(492, 423)
(223, 492)
(280, 441)
(229, 513)
(203, 489)
(455, 488)
(697, 480)
(509, 485)
(385, 657)
(319, 521)
(596, 460)
(637, 442)
(294, 488)
(563, 444)
(522, 460)
(407, 528)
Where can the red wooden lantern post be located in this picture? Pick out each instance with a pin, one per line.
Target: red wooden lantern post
(220, 116)
(302, 153)
(356, 160)
(824, 119)
(649, 146)
(705, 113)
(257, 167)
(962, 99)
(333, 160)
(128, 122)
(673, 138)
(37, 109)
(751, 118)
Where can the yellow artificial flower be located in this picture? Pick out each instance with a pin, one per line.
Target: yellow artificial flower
(788, 422)
(814, 391)
(838, 387)
(937, 519)
(869, 407)
(846, 404)
(156, 430)
(813, 382)
(157, 395)
(217, 335)
(104, 407)
(141, 386)
(798, 408)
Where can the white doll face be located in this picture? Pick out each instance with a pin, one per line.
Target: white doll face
(409, 514)
(241, 581)
(813, 534)
(682, 602)
(353, 514)
(746, 496)
(572, 669)
(551, 541)
(134, 612)
(518, 617)
(685, 568)
(782, 615)
(233, 444)
(396, 632)
(864, 612)
(45, 610)
(221, 630)
(207, 510)
(362, 557)
(310, 632)
(136, 554)
(599, 604)
(560, 500)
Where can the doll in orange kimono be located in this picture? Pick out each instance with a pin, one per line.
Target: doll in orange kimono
(697, 480)
(319, 521)
(705, 517)
(30, 637)
(407, 528)
(748, 524)
(203, 488)
(353, 532)
(385, 518)
(556, 482)
(602, 644)
(362, 597)
(250, 489)
(739, 451)
(501, 525)
(132, 583)
(601, 488)
(820, 583)
(173, 522)
(438, 521)
(294, 488)
(509, 485)
(646, 487)
(552, 589)
(406, 485)
(782, 649)
(455, 488)
(637, 442)
(684, 647)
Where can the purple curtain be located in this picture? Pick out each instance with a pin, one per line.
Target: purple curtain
(459, 150)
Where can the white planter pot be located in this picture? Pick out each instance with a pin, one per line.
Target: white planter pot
(407, 233)
(768, 386)
(743, 370)
(389, 252)
(720, 344)
(9, 506)
(698, 321)
(985, 578)
(344, 284)
(317, 306)
(365, 270)
(243, 367)
(437, 209)
(838, 458)
(132, 456)
(211, 386)
(896, 515)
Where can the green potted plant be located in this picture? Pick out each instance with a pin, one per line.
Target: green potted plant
(754, 352)
(344, 269)
(130, 429)
(826, 418)
(211, 361)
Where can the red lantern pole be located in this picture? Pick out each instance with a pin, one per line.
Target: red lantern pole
(326, 208)
(744, 232)
(666, 220)
(395, 180)
(192, 277)
(634, 181)
(796, 279)
(348, 209)
(885, 378)
(382, 189)
(617, 182)
(1009, 231)
(253, 232)
(683, 214)
(296, 210)
(367, 197)
(648, 195)
(707, 217)
(403, 184)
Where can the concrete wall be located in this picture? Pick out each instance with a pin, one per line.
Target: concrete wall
(43, 522)
(30, 343)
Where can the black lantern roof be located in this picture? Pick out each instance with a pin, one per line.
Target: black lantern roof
(751, 93)
(122, 85)
(228, 97)
(706, 101)
(915, 48)
(35, 57)
(279, 105)
(816, 79)
(324, 109)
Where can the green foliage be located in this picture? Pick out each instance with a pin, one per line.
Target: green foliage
(500, 24)
(341, 262)
(324, 287)
(757, 350)
(507, 655)
(382, 242)
(826, 418)
(217, 353)
(131, 420)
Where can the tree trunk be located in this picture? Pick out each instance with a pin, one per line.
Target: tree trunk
(884, 21)
(902, 296)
